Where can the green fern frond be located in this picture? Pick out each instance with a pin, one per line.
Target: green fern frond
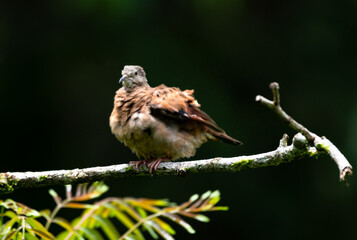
(103, 219)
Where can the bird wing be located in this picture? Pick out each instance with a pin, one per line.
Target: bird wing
(181, 106)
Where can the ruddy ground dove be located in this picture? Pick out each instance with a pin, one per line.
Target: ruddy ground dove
(161, 123)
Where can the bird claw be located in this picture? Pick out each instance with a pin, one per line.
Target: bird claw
(138, 163)
(154, 164)
(151, 164)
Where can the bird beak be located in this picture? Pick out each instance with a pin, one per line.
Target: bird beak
(122, 79)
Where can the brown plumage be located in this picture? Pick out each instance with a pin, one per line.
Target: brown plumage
(161, 123)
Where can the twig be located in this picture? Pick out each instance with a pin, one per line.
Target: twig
(283, 154)
(322, 144)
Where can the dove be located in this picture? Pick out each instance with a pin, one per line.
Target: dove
(160, 123)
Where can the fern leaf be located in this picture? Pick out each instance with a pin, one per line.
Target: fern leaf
(19, 208)
(144, 205)
(165, 226)
(201, 218)
(156, 202)
(186, 226)
(94, 191)
(125, 220)
(29, 236)
(63, 223)
(77, 205)
(11, 234)
(65, 235)
(159, 230)
(38, 228)
(91, 234)
(68, 191)
(127, 208)
(43, 235)
(6, 228)
(55, 196)
(107, 227)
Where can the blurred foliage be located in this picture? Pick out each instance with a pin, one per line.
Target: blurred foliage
(97, 220)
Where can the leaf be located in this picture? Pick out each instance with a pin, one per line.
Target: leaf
(46, 213)
(215, 194)
(107, 227)
(77, 205)
(6, 228)
(88, 222)
(64, 235)
(94, 191)
(91, 234)
(127, 208)
(206, 195)
(151, 231)
(194, 197)
(10, 214)
(2, 209)
(29, 236)
(201, 218)
(43, 235)
(38, 228)
(125, 220)
(11, 234)
(142, 212)
(55, 196)
(63, 223)
(187, 226)
(165, 226)
(138, 203)
(213, 201)
(68, 191)
(19, 208)
(106, 213)
(66, 225)
(220, 208)
(160, 230)
(156, 202)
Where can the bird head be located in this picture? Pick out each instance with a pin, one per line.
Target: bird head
(133, 76)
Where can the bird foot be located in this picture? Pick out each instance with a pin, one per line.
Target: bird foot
(138, 163)
(154, 164)
(151, 164)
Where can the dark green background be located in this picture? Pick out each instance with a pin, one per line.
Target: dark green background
(60, 62)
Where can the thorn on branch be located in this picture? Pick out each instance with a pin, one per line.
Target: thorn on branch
(274, 86)
(284, 140)
(347, 171)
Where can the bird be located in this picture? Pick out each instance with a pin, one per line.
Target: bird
(160, 123)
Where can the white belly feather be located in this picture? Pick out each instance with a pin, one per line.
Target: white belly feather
(150, 138)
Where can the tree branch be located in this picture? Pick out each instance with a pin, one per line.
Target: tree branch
(305, 144)
(322, 144)
(283, 154)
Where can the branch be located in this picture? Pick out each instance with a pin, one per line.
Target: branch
(305, 144)
(298, 149)
(322, 144)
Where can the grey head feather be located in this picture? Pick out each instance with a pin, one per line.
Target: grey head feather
(133, 76)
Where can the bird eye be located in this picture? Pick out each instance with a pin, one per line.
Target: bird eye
(136, 73)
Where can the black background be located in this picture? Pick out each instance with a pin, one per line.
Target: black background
(60, 62)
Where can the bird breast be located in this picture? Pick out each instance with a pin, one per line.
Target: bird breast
(151, 138)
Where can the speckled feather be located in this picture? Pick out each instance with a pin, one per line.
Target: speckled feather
(161, 122)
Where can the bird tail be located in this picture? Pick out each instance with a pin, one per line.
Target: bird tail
(222, 136)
